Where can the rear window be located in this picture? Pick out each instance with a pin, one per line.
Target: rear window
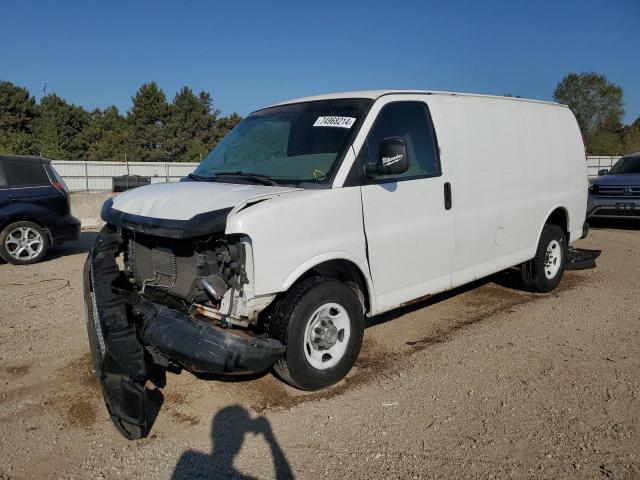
(25, 174)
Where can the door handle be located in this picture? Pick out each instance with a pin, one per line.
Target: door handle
(447, 196)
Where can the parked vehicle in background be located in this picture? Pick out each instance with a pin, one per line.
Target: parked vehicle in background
(616, 191)
(34, 209)
(316, 213)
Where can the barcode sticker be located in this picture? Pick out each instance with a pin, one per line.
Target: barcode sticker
(342, 122)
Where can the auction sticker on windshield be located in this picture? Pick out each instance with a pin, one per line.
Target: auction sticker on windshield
(342, 122)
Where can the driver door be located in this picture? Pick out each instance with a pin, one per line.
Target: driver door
(409, 229)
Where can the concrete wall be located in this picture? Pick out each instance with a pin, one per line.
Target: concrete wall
(87, 205)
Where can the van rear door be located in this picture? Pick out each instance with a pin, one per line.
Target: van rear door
(409, 229)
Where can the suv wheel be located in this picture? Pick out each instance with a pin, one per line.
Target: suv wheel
(544, 272)
(22, 243)
(322, 324)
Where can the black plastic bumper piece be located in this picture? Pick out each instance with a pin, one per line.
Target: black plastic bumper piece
(581, 258)
(201, 347)
(117, 354)
(121, 325)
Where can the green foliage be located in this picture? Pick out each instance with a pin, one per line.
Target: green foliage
(58, 127)
(598, 107)
(631, 138)
(153, 130)
(17, 108)
(147, 121)
(191, 127)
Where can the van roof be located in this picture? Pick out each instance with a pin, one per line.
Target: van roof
(375, 94)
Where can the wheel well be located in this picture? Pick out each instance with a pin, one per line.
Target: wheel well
(345, 271)
(559, 217)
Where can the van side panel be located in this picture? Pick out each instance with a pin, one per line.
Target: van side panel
(557, 164)
(514, 163)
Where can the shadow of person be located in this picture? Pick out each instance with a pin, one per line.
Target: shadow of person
(230, 425)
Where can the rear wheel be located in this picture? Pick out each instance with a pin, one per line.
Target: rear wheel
(544, 271)
(22, 243)
(322, 324)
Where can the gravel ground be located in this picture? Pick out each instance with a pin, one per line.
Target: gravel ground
(484, 382)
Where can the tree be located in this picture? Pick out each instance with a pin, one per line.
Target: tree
(191, 127)
(631, 138)
(58, 127)
(17, 114)
(147, 120)
(107, 136)
(225, 124)
(597, 105)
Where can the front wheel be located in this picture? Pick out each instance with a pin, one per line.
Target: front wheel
(322, 324)
(544, 271)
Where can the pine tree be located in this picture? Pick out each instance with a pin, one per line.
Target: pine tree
(147, 121)
(191, 126)
(17, 114)
(58, 129)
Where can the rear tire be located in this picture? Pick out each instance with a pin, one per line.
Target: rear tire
(544, 271)
(23, 243)
(321, 322)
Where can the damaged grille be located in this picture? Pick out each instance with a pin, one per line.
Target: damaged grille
(165, 266)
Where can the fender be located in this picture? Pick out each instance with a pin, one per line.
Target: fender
(299, 271)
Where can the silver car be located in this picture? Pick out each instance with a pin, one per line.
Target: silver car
(616, 192)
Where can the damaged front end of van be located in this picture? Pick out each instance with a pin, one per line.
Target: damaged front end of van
(169, 294)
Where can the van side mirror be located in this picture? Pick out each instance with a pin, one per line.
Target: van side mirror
(392, 158)
(602, 172)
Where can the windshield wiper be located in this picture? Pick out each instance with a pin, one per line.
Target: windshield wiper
(256, 177)
(200, 178)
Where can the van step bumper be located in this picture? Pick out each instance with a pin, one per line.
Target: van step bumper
(123, 327)
(582, 258)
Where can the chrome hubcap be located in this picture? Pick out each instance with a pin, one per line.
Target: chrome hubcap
(553, 259)
(326, 336)
(24, 243)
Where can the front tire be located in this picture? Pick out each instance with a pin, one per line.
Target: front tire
(321, 322)
(544, 271)
(23, 243)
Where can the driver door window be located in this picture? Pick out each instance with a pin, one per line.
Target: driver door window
(410, 121)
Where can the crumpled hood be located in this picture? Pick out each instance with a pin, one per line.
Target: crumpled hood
(185, 200)
(623, 179)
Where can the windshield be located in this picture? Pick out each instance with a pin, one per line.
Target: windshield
(626, 165)
(290, 144)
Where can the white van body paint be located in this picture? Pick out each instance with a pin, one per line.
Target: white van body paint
(510, 163)
(185, 200)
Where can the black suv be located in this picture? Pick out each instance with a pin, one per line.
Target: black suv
(34, 209)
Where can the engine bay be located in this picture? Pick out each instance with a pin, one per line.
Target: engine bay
(204, 275)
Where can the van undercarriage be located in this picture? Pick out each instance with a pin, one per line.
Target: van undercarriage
(171, 303)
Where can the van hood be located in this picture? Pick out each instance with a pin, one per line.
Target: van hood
(182, 209)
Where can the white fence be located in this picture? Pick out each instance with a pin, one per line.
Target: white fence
(597, 163)
(89, 176)
(85, 176)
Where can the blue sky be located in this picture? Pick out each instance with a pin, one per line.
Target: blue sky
(251, 54)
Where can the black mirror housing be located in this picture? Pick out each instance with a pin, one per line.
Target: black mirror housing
(392, 158)
(603, 171)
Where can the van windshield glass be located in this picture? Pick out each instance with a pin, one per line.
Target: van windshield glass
(288, 144)
(626, 165)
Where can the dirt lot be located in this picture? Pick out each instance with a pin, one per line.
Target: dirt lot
(483, 382)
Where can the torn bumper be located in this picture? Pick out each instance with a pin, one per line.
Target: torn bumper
(122, 327)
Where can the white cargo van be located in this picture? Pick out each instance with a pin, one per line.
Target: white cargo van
(316, 213)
